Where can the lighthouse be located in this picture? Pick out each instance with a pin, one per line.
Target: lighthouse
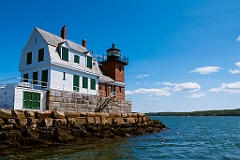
(114, 66)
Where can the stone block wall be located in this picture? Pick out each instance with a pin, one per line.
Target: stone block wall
(25, 128)
(73, 101)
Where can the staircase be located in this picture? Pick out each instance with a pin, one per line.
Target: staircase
(104, 104)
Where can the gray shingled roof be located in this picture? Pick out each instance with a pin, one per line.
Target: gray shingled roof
(54, 40)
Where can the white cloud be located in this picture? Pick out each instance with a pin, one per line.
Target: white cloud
(237, 64)
(194, 95)
(151, 92)
(206, 70)
(228, 87)
(188, 86)
(234, 71)
(137, 83)
(142, 75)
(238, 38)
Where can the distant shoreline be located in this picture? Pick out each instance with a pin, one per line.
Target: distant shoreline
(225, 112)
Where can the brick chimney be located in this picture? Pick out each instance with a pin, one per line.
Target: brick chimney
(84, 43)
(64, 32)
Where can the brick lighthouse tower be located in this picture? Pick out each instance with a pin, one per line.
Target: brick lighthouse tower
(113, 64)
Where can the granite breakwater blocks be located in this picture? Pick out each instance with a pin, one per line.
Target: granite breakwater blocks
(29, 128)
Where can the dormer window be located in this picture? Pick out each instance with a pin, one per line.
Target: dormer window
(89, 62)
(65, 54)
(76, 59)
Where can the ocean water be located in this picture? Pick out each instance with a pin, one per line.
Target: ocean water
(188, 138)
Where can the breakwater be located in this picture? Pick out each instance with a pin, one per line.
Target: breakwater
(28, 128)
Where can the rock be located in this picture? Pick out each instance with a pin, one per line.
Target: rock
(43, 114)
(140, 115)
(29, 114)
(58, 115)
(45, 122)
(90, 120)
(65, 136)
(1, 122)
(115, 115)
(6, 113)
(81, 120)
(106, 115)
(133, 115)
(60, 123)
(129, 120)
(22, 122)
(71, 122)
(11, 121)
(18, 114)
(124, 115)
(8, 126)
(83, 114)
(72, 114)
(110, 120)
(118, 120)
(98, 120)
(104, 120)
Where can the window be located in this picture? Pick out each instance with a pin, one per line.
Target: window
(29, 58)
(93, 84)
(85, 82)
(25, 77)
(120, 68)
(64, 75)
(40, 55)
(31, 100)
(75, 83)
(76, 58)
(44, 78)
(112, 88)
(120, 89)
(89, 62)
(65, 54)
(35, 77)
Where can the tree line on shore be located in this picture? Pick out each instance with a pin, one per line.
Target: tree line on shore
(226, 112)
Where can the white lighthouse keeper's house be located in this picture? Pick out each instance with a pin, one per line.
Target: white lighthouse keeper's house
(50, 62)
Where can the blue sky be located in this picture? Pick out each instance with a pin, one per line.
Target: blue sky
(184, 55)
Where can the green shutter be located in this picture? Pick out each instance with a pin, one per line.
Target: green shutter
(89, 62)
(35, 77)
(31, 100)
(75, 83)
(35, 101)
(40, 55)
(44, 78)
(76, 58)
(29, 58)
(85, 82)
(93, 84)
(65, 54)
(25, 77)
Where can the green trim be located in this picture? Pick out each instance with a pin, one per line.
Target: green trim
(76, 58)
(31, 100)
(75, 83)
(89, 62)
(93, 84)
(85, 82)
(65, 54)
